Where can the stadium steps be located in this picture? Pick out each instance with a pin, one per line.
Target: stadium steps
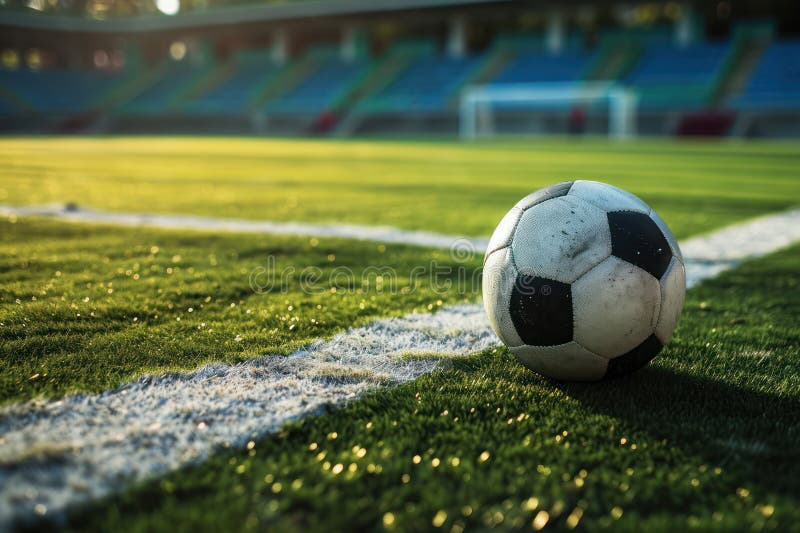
(671, 78)
(614, 61)
(202, 85)
(350, 94)
(750, 43)
(286, 79)
(739, 73)
(494, 63)
(323, 89)
(137, 82)
(482, 73)
(158, 96)
(380, 76)
(399, 58)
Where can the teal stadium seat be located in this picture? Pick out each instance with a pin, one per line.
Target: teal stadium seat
(538, 67)
(235, 95)
(426, 85)
(322, 89)
(159, 97)
(58, 91)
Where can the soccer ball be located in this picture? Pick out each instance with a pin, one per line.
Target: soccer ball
(583, 281)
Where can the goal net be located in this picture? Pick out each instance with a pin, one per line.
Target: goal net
(481, 105)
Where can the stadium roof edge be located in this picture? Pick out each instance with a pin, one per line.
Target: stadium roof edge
(223, 17)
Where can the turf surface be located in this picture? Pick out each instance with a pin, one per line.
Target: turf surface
(705, 438)
(417, 185)
(713, 421)
(85, 308)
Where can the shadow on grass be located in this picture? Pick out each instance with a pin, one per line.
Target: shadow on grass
(753, 435)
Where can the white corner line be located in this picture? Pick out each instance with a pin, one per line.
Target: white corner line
(383, 234)
(58, 454)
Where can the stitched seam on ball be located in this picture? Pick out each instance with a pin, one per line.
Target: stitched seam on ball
(542, 202)
(677, 254)
(591, 352)
(511, 240)
(571, 183)
(488, 255)
(661, 294)
(516, 273)
(610, 242)
(510, 237)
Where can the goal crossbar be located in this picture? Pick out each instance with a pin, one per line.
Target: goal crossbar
(621, 102)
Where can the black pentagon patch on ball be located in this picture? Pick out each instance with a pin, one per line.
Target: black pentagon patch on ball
(635, 359)
(541, 310)
(546, 193)
(637, 239)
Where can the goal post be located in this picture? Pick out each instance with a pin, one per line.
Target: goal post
(477, 102)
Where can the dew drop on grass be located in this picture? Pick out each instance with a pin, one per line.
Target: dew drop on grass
(540, 520)
(439, 518)
(574, 517)
(530, 504)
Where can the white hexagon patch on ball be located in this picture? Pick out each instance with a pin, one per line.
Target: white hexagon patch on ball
(583, 281)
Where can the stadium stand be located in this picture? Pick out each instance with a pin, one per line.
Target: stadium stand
(322, 90)
(427, 84)
(667, 77)
(161, 96)
(776, 80)
(238, 92)
(58, 91)
(407, 80)
(536, 67)
(7, 108)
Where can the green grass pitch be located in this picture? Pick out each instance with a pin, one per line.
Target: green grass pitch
(433, 186)
(705, 437)
(85, 308)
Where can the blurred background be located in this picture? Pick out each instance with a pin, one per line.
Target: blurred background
(410, 67)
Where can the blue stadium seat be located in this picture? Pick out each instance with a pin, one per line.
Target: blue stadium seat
(159, 96)
(532, 67)
(668, 77)
(58, 91)
(669, 64)
(425, 85)
(235, 94)
(320, 91)
(776, 80)
(7, 108)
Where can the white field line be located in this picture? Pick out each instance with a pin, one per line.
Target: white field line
(383, 234)
(54, 455)
(57, 454)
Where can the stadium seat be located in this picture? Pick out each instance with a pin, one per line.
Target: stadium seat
(667, 77)
(531, 67)
(235, 94)
(58, 91)
(322, 89)
(160, 96)
(776, 80)
(425, 85)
